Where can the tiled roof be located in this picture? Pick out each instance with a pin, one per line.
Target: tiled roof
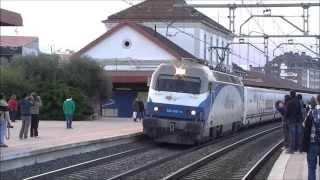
(164, 10)
(149, 33)
(9, 18)
(16, 41)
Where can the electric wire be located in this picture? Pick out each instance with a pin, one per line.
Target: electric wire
(196, 38)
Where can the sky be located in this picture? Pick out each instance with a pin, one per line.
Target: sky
(71, 24)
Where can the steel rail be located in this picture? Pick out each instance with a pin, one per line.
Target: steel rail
(255, 168)
(163, 160)
(79, 166)
(195, 165)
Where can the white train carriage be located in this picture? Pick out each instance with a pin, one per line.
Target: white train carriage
(259, 104)
(189, 103)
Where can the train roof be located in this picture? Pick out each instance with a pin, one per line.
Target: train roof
(256, 79)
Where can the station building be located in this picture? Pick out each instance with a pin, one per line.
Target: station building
(141, 37)
(299, 68)
(16, 45)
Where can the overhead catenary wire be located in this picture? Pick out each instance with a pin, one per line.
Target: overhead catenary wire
(194, 37)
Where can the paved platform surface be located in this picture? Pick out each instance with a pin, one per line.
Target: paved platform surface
(291, 167)
(54, 133)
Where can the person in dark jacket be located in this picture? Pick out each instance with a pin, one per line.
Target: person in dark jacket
(294, 120)
(35, 109)
(311, 137)
(141, 110)
(299, 132)
(135, 107)
(25, 111)
(282, 108)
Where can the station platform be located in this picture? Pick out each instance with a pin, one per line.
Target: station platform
(54, 136)
(291, 167)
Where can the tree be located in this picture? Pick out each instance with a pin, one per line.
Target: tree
(83, 78)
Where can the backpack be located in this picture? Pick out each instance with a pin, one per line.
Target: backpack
(316, 123)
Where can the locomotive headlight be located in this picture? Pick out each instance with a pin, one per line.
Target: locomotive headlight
(180, 71)
(155, 109)
(193, 112)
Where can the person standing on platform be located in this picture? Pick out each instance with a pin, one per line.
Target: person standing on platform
(35, 115)
(135, 107)
(282, 109)
(141, 110)
(25, 109)
(69, 108)
(4, 120)
(299, 126)
(311, 137)
(13, 107)
(294, 120)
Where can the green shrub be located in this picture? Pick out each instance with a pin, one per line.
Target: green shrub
(82, 78)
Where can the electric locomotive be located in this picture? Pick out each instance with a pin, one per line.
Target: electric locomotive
(188, 103)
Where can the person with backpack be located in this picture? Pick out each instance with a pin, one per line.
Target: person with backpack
(25, 110)
(311, 137)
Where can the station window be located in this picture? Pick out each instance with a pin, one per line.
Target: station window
(126, 43)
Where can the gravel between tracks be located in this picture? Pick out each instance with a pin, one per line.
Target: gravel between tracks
(236, 163)
(36, 169)
(113, 168)
(168, 167)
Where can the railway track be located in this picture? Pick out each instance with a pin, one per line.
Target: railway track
(150, 162)
(240, 160)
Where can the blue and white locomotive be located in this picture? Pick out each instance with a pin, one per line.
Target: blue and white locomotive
(188, 103)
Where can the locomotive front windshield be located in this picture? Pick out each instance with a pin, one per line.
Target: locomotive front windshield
(184, 84)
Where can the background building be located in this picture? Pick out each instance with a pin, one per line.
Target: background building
(10, 18)
(299, 68)
(18, 45)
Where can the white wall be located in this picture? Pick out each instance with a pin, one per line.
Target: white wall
(31, 49)
(204, 50)
(179, 33)
(190, 37)
(141, 48)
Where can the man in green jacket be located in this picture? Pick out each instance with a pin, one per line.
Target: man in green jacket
(68, 108)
